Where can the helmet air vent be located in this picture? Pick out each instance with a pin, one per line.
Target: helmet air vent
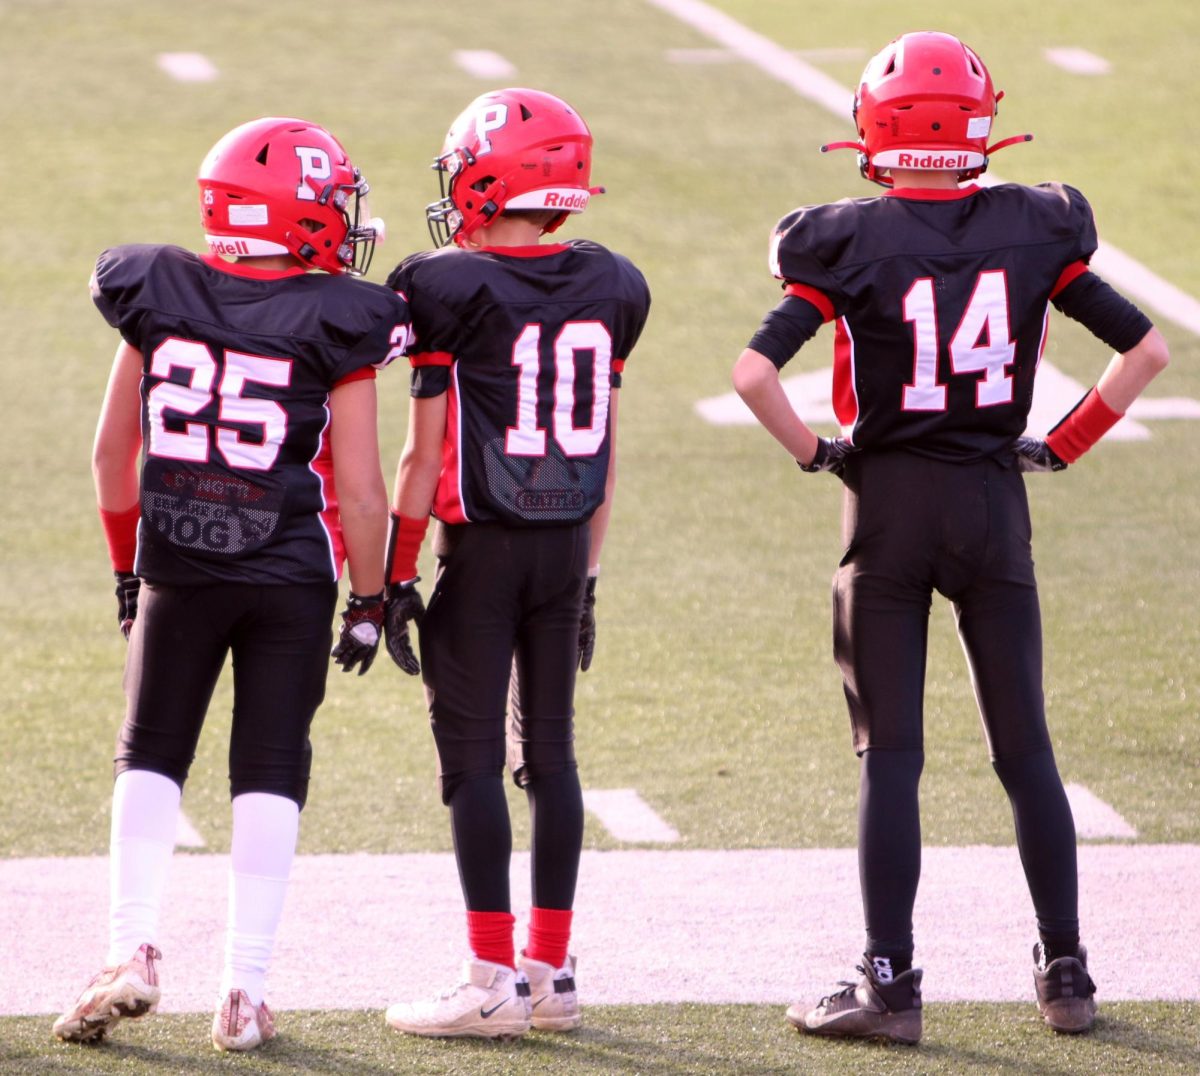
(525, 113)
(262, 154)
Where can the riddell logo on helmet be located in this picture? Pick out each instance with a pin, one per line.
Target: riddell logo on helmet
(237, 248)
(931, 160)
(555, 200)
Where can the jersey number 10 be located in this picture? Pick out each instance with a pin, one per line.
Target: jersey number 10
(526, 438)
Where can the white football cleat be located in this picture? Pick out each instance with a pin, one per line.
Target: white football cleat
(491, 1002)
(241, 1025)
(552, 996)
(125, 991)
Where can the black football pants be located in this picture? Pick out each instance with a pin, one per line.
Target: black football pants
(504, 615)
(912, 526)
(279, 637)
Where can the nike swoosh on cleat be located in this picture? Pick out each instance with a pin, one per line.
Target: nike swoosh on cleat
(485, 1013)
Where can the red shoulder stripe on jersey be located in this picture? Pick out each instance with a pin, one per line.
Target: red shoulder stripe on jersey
(432, 358)
(1070, 274)
(810, 295)
(363, 373)
(120, 532)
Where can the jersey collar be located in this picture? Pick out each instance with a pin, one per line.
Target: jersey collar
(538, 250)
(253, 272)
(923, 194)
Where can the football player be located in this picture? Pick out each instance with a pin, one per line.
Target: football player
(940, 289)
(518, 353)
(236, 467)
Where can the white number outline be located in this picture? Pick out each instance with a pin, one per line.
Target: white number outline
(986, 312)
(240, 370)
(526, 438)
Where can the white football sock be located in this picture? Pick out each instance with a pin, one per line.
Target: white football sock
(144, 811)
(265, 828)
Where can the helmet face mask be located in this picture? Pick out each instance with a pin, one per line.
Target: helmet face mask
(925, 103)
(514, 149)
(285, 186)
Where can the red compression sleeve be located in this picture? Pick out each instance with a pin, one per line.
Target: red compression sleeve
(120, 531)
(404, 544)
(1090, 420)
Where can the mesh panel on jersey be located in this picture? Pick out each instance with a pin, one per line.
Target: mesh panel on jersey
(207, 512)
(548, 488)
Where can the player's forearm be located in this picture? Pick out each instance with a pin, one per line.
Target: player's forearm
(364, 531)
(756, 381)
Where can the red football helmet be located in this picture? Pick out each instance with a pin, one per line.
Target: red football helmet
(925, 102)
(286, 186)
(511, 149)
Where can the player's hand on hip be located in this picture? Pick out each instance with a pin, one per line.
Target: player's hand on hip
(404, 606)
(587, 625)
(362, 626)
(1034, 455)
(129, 586)
(830, 456)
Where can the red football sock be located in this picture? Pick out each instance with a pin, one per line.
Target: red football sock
(490, 935)
(549, 935)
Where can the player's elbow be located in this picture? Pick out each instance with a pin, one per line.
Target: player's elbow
(751, 374)
(1152, 353)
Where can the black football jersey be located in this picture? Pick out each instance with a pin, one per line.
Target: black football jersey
(237, 475)
(529, 343)
(941, 300)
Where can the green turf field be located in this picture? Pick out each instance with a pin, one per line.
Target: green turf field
(713, 692)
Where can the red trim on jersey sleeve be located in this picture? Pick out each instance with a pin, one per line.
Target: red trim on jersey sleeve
(120, 532)
(931, 194)
(431, 358)
(618, 366)
(329, 516)
(845, 399)
(448, 501)
(1090, 420)
(363, 373)
(811, 295)
(537, 250)
(1068, 276)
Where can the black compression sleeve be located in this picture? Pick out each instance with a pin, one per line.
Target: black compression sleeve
(786, 329)
(1107, 314)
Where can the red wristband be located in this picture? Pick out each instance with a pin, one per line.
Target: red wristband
(1082, 427)
(404, 543)
(120, 531)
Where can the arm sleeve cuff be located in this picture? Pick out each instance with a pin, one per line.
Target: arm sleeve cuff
(787, 328)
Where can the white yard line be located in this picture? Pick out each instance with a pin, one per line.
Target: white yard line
(1094, 817)
(1054, 394)
(187, 66)
(1124, 272)
(627, 816)
(1078, 61)
(361, 931)
(483, 63)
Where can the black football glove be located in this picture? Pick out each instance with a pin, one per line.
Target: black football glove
(362, 625)
(1033, 454)
(830, 456)
(403, 605)
(587, 626)
(129, 586)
